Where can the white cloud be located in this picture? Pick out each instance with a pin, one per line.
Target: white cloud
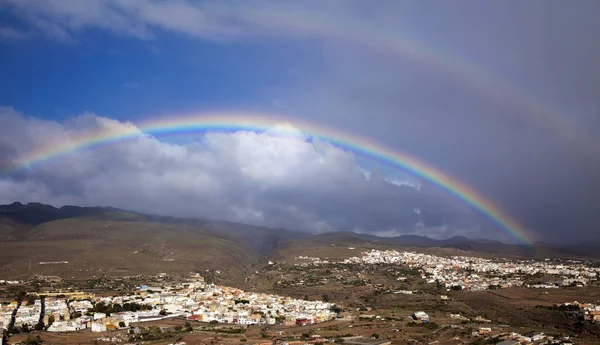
(275, 178)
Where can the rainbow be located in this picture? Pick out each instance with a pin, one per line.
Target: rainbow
(257, 122)
(460, 70)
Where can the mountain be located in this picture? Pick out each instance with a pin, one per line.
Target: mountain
(349, 238)
(35, 213)
(261, 239)
(104, 240)
(11, 230)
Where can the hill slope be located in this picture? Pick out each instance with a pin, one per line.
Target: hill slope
(104, 240)
(96, 247)
(101, 240)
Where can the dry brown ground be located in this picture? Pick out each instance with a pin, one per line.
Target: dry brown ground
(96, 248)
(71, 338)
(524, 296)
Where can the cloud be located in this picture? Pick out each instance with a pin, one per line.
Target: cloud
(8, 33)
(63, 20)
(276, 178)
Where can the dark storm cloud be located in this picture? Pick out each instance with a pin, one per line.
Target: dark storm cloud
(543, 169)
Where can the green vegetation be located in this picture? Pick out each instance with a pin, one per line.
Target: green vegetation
(154, 333)
(117, 308)
(32, 340)
(426, 325)
(225, 330)
(560, 307)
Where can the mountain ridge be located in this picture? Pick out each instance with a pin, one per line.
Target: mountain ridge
(36, 222)
(25, 213)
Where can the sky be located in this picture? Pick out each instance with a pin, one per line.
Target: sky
(500, 95)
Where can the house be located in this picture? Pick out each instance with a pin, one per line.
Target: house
(484, 330)
(98, 327)
(481, 319)
(420, 316)
(303, 322)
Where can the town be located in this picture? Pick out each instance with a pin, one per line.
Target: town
(194, 300)
(475, 274)
(380, 289)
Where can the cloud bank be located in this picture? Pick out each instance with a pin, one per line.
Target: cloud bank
(276, 178)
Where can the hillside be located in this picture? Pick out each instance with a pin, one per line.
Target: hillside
(99, 240)
(104, 240)
(94, 247)
(337, 244)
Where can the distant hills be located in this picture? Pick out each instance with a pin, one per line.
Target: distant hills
(259, 239)
(35, 213)
(106, 240)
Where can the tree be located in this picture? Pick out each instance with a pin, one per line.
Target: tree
(30, 299)
(121, 324)
(162, 312)
(33, 341)
(375, 335)
(153, 330)
(335, 309)
(187, 324)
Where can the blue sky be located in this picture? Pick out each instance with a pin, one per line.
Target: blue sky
(343, 64)
(126, 78)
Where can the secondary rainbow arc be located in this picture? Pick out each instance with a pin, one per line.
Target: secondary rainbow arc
(258, 122)
(461, 70)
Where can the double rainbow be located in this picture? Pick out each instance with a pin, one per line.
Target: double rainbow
(259, 123)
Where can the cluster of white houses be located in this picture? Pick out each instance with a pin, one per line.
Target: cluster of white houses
(472, 273)
(29, 314)
(194, 300)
